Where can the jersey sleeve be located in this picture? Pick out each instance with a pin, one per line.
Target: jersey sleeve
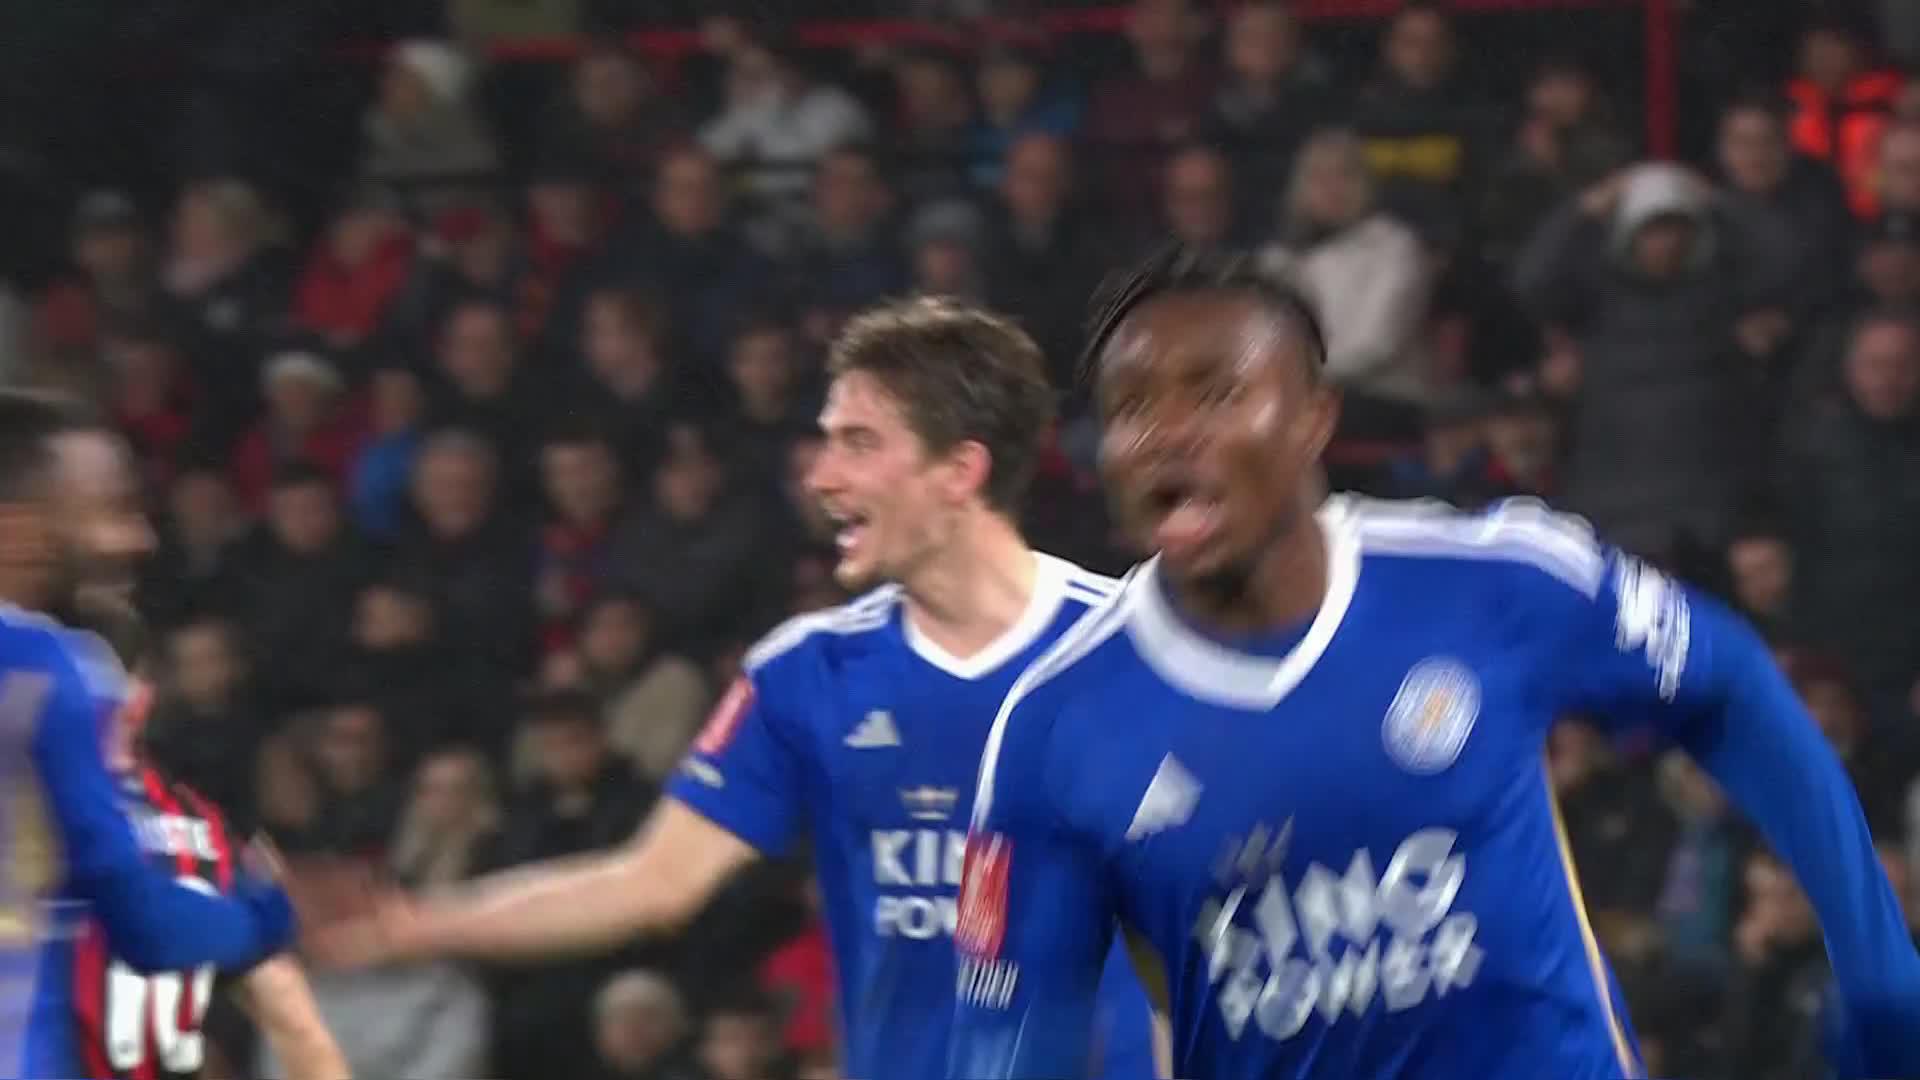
(1036, 920)
(1630, 644)
(151, 922)
(744, 770)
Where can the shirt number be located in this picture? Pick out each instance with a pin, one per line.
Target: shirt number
(168, 1006)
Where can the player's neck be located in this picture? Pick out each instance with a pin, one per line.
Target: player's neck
(972, 591)
(1284, 588)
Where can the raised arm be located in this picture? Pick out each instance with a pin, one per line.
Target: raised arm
(152, 922)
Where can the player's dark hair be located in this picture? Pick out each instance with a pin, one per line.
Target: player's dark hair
(962, 374)
(1177, 269)
(29, 422)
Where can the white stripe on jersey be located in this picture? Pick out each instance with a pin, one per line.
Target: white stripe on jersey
(1518, 530)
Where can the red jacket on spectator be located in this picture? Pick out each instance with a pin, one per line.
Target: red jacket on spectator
(800, 975)
(347, 302)
(331, 447)
(1845, 132)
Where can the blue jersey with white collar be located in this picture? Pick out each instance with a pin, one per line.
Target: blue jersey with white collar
(1341, 842)
(848, 726)
(68, 855)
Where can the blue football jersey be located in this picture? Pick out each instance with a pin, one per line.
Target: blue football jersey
(852, 728)
(1341, 841)
(68, 855)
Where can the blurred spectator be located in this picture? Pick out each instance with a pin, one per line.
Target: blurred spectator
(771, 399)
(469, 250)
(611, 113)
(1636, 279)
(1618, 832)
(486, 389)
(1878, 760)
(1897, 167)
(1790, 218)
(1840, 105)
(698, 551)
(935, 123)
(1853, 488)
(740, 1040)
(1164, 100)
(151, 396)
(1523, 443)
(582, 799)
(227, 268)
(1700, 889)
(652, 700)
(356, 272)
(1454, 462)
(1046, 250)
(307, 422)
(1760, 570)
(378, 487)
(1019, 96)
(1425, 139)
(208, 722)
(1275, 93)
(778, 119)
(630, 388)
(945, 240)
(641, 1031)
(472, 554)
(1564, 142)
(401, 659)
(194, 568)
(451, 826)
(845, 256)
(1886, 277)
(1780, 969)
(113, 273)
(359, 796)
(1197, 193)
(687, 251)
(580, 477)
(422, 126)
(1369, 275)
(300, 576)
(799, 978)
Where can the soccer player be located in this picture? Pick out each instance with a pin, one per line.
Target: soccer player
(121, 1024)
(1300, 752)
(70, 523)
(862, 725)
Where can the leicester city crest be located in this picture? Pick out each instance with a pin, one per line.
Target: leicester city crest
(1432, 715)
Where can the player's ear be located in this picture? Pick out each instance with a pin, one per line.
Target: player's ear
(1319, 418)
(969, 464)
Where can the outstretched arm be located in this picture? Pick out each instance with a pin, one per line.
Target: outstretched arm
(655, 883)
(151, 921)
(1644, 648)
(275, 996)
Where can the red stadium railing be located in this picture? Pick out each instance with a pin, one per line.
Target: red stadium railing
(1659, 39)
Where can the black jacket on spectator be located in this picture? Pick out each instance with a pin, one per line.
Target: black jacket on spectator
(298, 614)
(1853, 489)
(1660, 427)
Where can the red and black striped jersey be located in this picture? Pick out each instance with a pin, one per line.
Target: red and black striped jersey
(129, 1026)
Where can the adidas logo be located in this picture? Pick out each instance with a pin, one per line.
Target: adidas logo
(875, 732)
(1168, 802)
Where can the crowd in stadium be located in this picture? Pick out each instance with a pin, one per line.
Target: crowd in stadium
(473, 493)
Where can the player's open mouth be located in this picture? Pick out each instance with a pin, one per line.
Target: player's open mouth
(1185, 515)
(848, 530)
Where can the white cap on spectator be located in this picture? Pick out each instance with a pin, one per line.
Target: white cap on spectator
(443, 67)
(301, 364)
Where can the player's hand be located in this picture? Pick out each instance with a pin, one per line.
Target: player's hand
(385, 932)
